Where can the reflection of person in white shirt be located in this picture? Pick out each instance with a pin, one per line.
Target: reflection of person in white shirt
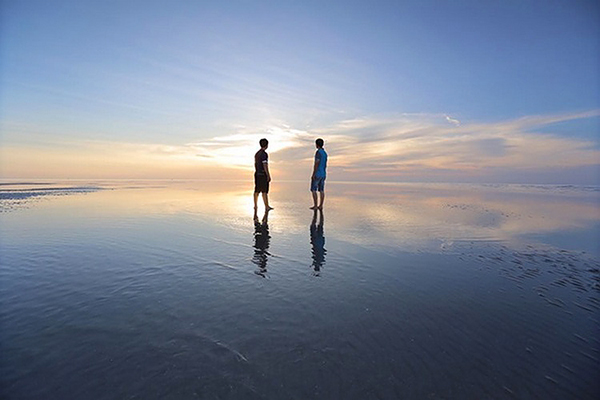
(317, 181)
(317, 240)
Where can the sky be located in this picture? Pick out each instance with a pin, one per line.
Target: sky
(437, 91)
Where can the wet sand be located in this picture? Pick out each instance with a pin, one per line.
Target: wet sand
(175, 290)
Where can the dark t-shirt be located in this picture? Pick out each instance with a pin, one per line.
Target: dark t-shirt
(260, 158)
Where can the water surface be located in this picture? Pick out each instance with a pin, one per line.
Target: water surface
(154, 289)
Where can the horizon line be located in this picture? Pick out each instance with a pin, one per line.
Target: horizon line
(32, 181)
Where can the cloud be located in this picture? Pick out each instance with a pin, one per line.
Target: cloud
(237, 150)
(492, 147)
(413, 147)
(422, 146)
(403, 147)
(452, 120)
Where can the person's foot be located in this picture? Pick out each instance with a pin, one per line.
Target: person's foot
(269, 208)
(320, 208)
(314, 208)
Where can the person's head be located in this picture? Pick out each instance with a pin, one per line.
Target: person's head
(264, 143)
(319, 142)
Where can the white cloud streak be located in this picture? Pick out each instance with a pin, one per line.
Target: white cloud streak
(389, 148)
(413, 145)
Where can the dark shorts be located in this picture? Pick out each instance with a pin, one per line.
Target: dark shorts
(317, 185)
(261, 184)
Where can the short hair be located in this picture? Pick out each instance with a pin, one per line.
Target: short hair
(319, 142)
(263, 142)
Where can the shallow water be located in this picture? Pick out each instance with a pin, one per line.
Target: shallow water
(153, 289)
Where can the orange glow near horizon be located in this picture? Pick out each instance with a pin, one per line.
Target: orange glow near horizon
(413, 151)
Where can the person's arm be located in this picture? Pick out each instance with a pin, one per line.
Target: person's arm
(266, 166)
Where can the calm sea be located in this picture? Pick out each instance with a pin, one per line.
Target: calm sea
(176, 290)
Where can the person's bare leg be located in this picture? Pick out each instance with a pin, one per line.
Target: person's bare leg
(314, 195)
(255, 200)
(322, 200)
(266, 200)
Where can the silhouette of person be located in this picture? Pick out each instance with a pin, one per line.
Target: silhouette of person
(317, 240)
(262, 176)
(262, 240)
(317, 179)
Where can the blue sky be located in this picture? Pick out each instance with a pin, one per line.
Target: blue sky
(184, 89)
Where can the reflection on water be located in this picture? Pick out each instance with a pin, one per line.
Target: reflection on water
(411, 217)
(317, 241)
(438, 217)
(262, 240)
(429, 291)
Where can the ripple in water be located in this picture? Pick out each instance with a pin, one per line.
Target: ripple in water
(170, 303)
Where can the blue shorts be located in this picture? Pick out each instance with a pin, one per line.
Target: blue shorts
(317, 185)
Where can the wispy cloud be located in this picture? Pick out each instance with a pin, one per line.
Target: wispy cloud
(414, 146)
(237, 150)
(401, 147)
(410, 146)
(453, 121)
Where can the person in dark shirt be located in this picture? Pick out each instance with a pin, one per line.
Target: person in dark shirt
(262, 177)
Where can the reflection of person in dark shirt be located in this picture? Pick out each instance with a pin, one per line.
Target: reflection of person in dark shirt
(317, 240)
(262, 176)
(261, 243)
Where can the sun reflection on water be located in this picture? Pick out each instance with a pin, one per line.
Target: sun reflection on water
(411, 217)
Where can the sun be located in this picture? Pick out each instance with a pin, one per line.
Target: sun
(238, 150)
